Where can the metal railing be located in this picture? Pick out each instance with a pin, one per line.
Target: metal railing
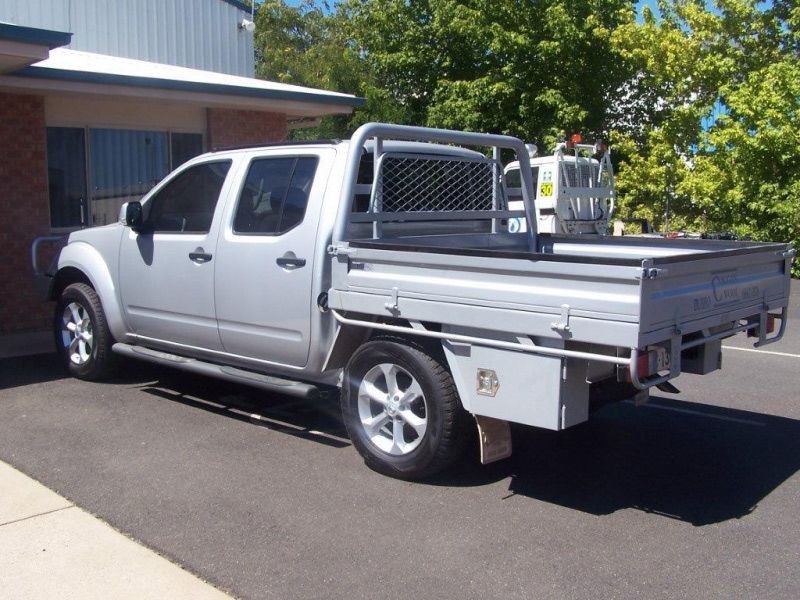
(37, 242)
(405, 193)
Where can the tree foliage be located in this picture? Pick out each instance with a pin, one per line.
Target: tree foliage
(531, 69)
(722, 142)
(310, 45)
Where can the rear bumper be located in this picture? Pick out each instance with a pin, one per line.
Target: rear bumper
(755, 325)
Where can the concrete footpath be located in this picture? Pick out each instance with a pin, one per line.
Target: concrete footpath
(50, 548)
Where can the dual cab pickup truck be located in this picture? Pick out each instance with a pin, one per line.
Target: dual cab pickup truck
(384, 266)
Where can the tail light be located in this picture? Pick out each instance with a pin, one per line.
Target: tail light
(770, 323)
(647, 363)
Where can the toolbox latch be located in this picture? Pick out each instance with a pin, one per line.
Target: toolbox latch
(562, 325)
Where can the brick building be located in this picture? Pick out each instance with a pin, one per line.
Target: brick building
(100, 99)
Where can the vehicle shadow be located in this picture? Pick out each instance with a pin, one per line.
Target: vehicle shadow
(315, 420)
(688, 461)
(27, 370)
(697, 463)
(43, 368)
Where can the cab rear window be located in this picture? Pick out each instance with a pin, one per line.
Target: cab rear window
(275, 195)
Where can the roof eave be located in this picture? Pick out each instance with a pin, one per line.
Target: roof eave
(187, 86)
(240, 5)
(32, 35)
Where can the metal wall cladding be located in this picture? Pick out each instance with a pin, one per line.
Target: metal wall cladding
(200, 34)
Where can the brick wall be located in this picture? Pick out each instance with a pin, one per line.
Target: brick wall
(24, 209)
(227, 127)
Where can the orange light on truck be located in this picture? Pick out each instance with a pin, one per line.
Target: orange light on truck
(574, 139)
(770, 323)
(647, 363)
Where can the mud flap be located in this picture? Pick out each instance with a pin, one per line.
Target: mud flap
(494, 436)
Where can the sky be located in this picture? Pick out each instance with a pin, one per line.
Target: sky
(641, 3)
(650, 3)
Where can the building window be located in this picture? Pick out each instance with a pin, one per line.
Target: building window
(185, 146)
(122, 165)
(66, 174)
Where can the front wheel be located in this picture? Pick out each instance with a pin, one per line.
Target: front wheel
(82, 336)
(401, 409)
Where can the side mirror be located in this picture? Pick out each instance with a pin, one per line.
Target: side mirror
(130, 215)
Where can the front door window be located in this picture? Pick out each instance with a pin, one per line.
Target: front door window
(186, 204)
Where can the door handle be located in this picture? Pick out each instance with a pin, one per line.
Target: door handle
(199, 256)
(291, 262)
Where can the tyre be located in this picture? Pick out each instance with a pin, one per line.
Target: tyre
(401, 409)
(82, 336)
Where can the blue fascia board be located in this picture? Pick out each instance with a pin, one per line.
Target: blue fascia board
(239, 5)
(32, 35)
(186, 86)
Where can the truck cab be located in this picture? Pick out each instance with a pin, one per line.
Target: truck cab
(574, 188)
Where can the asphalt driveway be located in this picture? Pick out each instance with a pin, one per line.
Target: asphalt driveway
(695, 495)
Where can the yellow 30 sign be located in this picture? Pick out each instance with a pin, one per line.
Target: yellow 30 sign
(546, 189)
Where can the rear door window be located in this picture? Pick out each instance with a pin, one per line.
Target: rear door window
(275, 194)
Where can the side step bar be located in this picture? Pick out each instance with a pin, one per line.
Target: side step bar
(199, 367)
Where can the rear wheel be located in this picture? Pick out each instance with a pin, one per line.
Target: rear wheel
(81, 331)
(401, 409)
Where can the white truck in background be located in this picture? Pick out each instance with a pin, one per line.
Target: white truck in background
(574, 193)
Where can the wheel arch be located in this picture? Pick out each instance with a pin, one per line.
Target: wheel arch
(64, 277)
(348, 338)
(346, 341)
(81, 262)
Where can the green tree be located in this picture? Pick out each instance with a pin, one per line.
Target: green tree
(721, 141)
(536, 70)
(306, 45)
(531, 69)
(312, 44)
